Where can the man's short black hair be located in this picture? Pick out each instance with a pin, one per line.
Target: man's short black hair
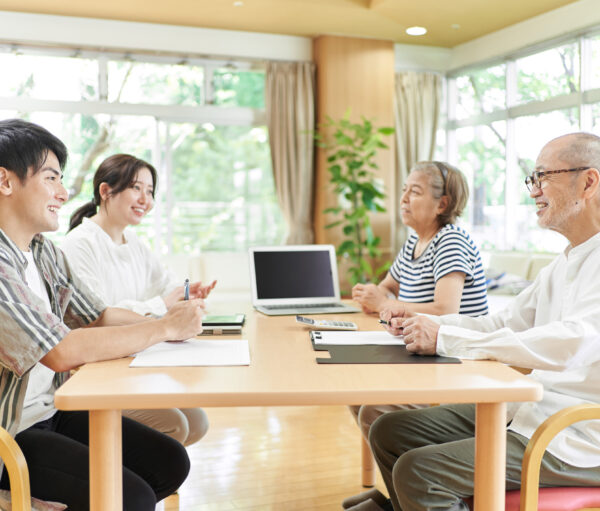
(25, 145)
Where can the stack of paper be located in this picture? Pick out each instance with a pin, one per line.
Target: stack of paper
(194, 352)
(355, 338)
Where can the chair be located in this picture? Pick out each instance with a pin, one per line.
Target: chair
(530, 497)
(15, 464)
(19, 498)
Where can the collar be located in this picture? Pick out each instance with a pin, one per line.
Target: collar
(37, 244)
(583, 248)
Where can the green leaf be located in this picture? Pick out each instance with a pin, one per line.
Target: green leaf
(332, 210)
(348, 229)
(386, 131)
(365, 266)
(385, 267)
(333, 224)
(346, 247)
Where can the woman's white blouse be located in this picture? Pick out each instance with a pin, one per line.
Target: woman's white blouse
(128, 275)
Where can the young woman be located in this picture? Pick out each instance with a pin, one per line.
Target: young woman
(124, 272)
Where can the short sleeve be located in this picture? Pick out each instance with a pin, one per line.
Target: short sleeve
(28, 331)
(452, 254)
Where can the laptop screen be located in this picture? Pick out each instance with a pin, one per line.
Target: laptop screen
(293, 274)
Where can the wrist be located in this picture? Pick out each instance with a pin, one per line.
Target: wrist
(162, 329)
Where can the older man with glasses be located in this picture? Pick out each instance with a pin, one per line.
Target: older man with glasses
(426, 456)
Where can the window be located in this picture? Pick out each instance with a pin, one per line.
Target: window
(199, 122)
(549, 73)
(504, 115)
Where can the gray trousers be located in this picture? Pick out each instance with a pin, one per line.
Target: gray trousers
(426, 458)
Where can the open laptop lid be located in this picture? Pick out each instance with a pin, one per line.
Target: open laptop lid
(294, 274)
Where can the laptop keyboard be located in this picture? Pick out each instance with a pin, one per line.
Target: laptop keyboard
(303, 306)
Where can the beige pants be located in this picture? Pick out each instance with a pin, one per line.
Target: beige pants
(186, 425)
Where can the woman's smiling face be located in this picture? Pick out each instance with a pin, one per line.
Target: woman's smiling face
(132, 204)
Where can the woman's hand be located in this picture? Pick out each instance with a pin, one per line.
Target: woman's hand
(197, 290)
(369, 296)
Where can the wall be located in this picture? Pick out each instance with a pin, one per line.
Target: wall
(356, 74)
(109, 34)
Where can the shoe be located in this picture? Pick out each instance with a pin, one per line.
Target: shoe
(375, 495)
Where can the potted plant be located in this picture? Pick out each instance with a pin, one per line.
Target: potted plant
(351, 149)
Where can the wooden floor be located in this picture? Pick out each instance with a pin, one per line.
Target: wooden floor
(279, 458)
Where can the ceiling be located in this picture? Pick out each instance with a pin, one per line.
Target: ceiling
(449, 22)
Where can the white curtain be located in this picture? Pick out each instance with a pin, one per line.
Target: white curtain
(418, 102)
(290, 107)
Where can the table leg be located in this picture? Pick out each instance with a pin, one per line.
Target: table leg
(106, 461)
(490, 456)
(368, 464)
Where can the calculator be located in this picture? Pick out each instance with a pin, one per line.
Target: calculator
(326, 324)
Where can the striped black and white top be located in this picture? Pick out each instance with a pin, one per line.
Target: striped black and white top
(450, 250)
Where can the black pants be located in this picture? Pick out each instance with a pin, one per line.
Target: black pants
(57, 454)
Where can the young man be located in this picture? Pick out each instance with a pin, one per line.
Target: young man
(50, 323)
(426, 456)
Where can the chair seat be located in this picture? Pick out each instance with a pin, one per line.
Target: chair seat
(555, 499)
(558, 499)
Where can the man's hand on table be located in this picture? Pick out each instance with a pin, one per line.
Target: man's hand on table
(420, 333)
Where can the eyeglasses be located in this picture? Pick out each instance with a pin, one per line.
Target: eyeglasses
(536, 177)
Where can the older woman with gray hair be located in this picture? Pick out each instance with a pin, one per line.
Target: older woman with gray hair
(438, 270)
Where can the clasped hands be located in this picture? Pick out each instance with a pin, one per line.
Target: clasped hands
(370, 297)
(420, 333)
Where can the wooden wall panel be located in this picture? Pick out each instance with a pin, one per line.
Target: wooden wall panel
(356, 74)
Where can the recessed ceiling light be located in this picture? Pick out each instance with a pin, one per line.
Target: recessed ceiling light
(238, 3)
(455, 26)
(416, 30)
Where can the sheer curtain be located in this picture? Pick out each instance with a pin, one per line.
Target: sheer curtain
(290, 107)
(418, 103)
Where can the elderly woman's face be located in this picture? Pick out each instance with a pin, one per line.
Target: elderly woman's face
(418, 207)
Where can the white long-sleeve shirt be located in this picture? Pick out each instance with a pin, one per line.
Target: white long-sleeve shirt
(553, 327)
(127, 275)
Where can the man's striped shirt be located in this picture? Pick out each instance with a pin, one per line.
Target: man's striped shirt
(27, 330)
(450, 250)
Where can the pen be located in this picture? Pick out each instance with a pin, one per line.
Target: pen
(384, 322)
(186, 289)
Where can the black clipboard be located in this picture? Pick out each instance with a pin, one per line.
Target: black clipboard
(374, 354)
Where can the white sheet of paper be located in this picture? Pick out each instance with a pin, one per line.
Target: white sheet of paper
(357, 338)
(194, 352)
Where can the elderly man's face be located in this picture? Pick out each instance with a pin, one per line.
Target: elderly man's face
(556, 198)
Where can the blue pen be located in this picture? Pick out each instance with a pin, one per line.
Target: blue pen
(186, 289)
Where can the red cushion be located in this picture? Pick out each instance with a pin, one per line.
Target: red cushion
(558, 499)
(555, 499)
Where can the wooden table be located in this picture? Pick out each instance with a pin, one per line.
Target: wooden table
(283, 371)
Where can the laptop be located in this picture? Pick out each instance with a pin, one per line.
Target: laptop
(295, 279)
